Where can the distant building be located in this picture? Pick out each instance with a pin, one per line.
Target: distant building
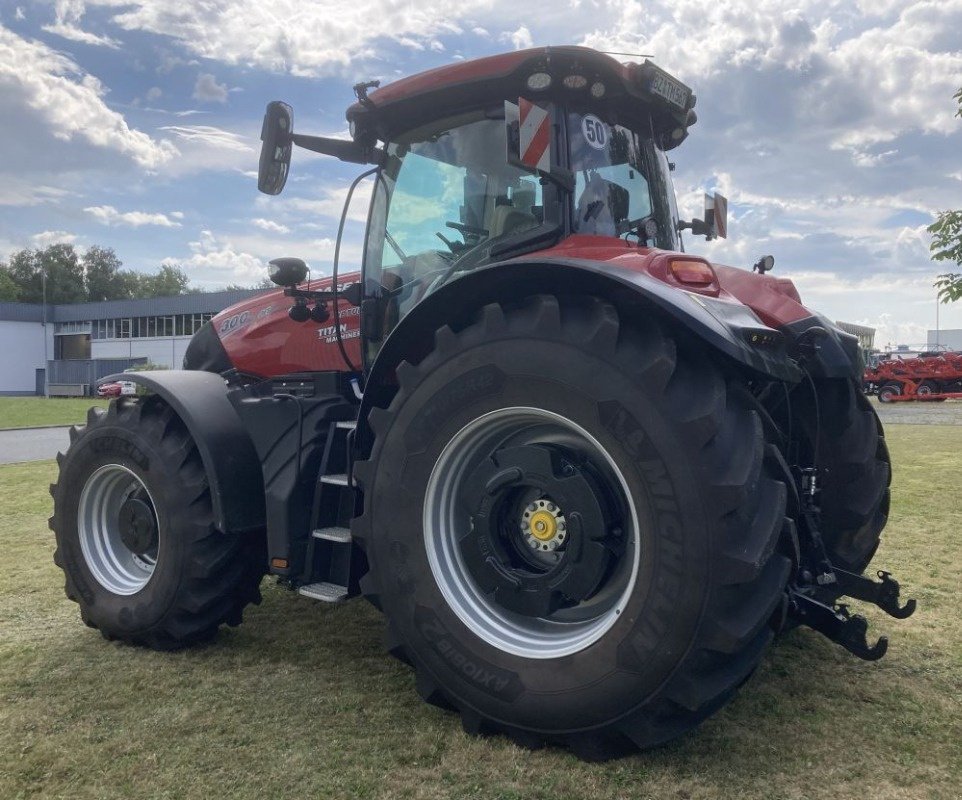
(948, 339)
(80, 343)
(866, 335)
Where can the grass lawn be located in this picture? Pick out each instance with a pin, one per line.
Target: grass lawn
(31, 412)
(300, 701)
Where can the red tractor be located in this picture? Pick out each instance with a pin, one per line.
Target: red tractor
(587, 477)
(932, 377)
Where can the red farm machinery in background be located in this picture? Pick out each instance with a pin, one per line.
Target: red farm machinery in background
(930, 377)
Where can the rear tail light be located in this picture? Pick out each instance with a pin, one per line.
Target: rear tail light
(691, 272)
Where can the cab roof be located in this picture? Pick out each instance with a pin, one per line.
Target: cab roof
(631, 91)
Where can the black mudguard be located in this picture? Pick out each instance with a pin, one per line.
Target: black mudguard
(825, 350)
(729, 328)
(232, 466)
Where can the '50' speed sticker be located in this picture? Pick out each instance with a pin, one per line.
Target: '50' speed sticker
(594, 131)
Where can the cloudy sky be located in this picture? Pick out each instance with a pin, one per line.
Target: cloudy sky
(829, 124)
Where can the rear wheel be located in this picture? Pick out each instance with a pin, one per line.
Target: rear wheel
(927, 389)
(571, 526)
(135, 535)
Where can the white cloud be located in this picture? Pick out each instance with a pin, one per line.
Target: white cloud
(108, 215)
(47, 238)
(20, 192)
(67, 24)
(309, 39)
(69, 100)
(208, 90)
(520, 39)
(269, 225)
(215, 260)
(209, 135)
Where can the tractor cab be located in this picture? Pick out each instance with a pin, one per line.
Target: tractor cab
(482, 162)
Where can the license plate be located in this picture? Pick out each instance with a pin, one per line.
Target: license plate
(674, 92)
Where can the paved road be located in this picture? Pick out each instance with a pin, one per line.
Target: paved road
(916, 413)
(32, 444)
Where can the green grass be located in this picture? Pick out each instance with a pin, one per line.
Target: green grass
(300, 701)
(32, 412)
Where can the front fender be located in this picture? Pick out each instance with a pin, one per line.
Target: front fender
(233, 469)
(729, 328)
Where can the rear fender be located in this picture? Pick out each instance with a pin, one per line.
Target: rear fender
(729, 328)
(232, 466)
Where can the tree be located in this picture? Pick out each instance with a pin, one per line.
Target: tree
(168, 281)
(63, 270)
(947, 243)
(104, 277)
(96, 276)
(9, 291)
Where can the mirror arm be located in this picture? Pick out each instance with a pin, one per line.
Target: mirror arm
(343, 149)
(697, 226)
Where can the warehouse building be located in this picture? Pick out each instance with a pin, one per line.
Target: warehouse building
(66, 349)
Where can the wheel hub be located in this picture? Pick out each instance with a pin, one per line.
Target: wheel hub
(138, 526)
(543, 525)
(526, 566)
(509, 486)
(118, 529)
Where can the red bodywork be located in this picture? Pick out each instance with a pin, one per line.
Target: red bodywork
(261, 339)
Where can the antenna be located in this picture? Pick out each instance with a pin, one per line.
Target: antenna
(633, 55)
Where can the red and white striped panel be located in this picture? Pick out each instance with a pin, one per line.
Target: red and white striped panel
(535, 135)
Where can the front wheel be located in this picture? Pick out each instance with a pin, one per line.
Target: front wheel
(888, 392)
(135, 534)
(572, 527)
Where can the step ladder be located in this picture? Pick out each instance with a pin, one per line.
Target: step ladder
(327, 570)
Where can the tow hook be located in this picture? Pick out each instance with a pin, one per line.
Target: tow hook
(837, 624)
(883, 593)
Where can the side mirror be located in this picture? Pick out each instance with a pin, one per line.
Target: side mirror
(277, 142)
(287, 271)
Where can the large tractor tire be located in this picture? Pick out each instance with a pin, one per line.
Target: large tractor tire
(572, 524)
(135, 536)
(854, 461)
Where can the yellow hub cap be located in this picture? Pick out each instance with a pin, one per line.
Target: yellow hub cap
(543, 526)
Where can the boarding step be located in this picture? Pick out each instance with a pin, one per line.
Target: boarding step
(333, 534)
(325, 592)
(335, 480)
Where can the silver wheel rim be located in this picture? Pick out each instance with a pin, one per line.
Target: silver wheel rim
(115, 566)
(445, 522)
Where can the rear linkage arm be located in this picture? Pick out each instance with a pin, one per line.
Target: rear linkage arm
(836, 622)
